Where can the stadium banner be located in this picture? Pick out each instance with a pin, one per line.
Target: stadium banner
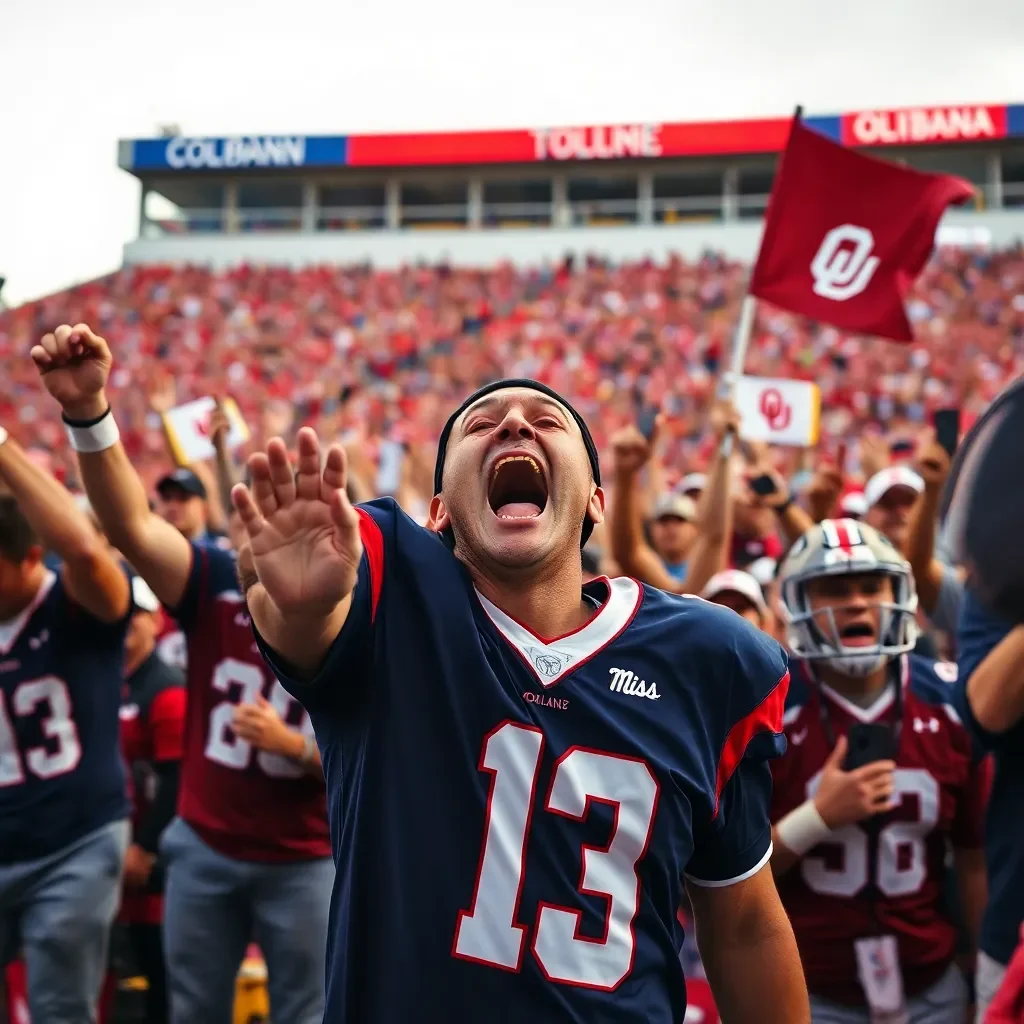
(623, 141)
(240, 152)
(188, 429)
(778, 410)
(640, 140)
(915, 126)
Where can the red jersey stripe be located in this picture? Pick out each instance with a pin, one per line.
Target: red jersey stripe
(373, 545)
(766, 717)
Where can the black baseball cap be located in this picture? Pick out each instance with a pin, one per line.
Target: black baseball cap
(182, 480)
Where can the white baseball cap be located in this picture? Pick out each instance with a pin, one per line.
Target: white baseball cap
(679, 506)
(854, 505)
(886, 479)
(737, 582)
(143, 596)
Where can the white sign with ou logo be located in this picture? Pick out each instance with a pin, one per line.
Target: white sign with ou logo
(843, 265)
(188, 429)
(777, 410)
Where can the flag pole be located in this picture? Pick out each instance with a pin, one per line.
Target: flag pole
(745, 327)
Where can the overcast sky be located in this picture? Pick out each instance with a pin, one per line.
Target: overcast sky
(76, 76)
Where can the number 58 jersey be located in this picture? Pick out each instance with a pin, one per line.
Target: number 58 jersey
(885, 876)
(512, 816)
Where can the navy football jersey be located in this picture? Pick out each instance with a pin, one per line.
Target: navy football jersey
(512, 816)
(61, 774)
(979, 632)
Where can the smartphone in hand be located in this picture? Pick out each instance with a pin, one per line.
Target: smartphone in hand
(947, 429)
(763, 485)
(645, 420)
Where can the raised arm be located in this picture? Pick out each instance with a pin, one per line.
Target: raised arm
(933, 465)
(300, 564)
(995, 689)
(91, 575)
(633, 555)
(75, 364)
(710, 552)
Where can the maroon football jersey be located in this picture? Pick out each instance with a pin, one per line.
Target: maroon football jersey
(243, 802)
(885, 876)
(152, 730)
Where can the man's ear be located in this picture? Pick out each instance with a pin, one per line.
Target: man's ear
(595, 507)
(437, 516)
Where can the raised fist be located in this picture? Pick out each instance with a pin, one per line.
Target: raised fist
(631, 450)
(75, 364)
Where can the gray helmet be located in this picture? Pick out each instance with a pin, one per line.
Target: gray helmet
(836, 547)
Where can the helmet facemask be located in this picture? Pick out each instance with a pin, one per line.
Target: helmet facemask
(815, 636)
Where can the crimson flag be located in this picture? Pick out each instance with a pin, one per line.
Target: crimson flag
(846, 234)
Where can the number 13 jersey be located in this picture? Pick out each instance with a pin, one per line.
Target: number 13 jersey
(887, 876)
(512, 816)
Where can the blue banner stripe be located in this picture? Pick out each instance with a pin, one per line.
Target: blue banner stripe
(239, 152)
(1015, 119)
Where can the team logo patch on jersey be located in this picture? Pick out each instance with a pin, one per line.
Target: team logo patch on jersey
(546, 663)
(624, 681)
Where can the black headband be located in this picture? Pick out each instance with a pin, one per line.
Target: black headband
(501, 385)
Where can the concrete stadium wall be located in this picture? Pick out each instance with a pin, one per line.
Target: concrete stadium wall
(518, 245)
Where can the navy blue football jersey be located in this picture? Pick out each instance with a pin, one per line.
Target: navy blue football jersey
(61, 773)
(512, 816)
(979, 632)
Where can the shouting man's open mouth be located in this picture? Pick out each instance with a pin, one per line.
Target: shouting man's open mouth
(517, 488)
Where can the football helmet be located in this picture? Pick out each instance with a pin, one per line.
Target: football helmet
(837, 547)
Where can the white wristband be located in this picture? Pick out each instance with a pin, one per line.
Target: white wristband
(801, 830)
(98, 437)
(3, 435)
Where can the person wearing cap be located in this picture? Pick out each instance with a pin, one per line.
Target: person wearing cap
(183, 503)
(475, 702)
(249, 851)
(738, 590)
(674, 531)
(890, 496)
(152, 739)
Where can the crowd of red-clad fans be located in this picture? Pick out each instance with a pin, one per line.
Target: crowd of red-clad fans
(368, 354)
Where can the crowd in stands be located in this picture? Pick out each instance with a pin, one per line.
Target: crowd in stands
(370, 355)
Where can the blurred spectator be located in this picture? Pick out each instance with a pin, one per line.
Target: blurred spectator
(890, 496)
(939, 586)
(739, 591)
(673, 531)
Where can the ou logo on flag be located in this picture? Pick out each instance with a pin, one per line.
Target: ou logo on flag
(843, 265)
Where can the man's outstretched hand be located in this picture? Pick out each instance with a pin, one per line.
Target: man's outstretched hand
(303, 533)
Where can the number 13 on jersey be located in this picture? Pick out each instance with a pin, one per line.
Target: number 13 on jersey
(488, 932)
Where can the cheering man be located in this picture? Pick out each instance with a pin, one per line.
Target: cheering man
(520, 768)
